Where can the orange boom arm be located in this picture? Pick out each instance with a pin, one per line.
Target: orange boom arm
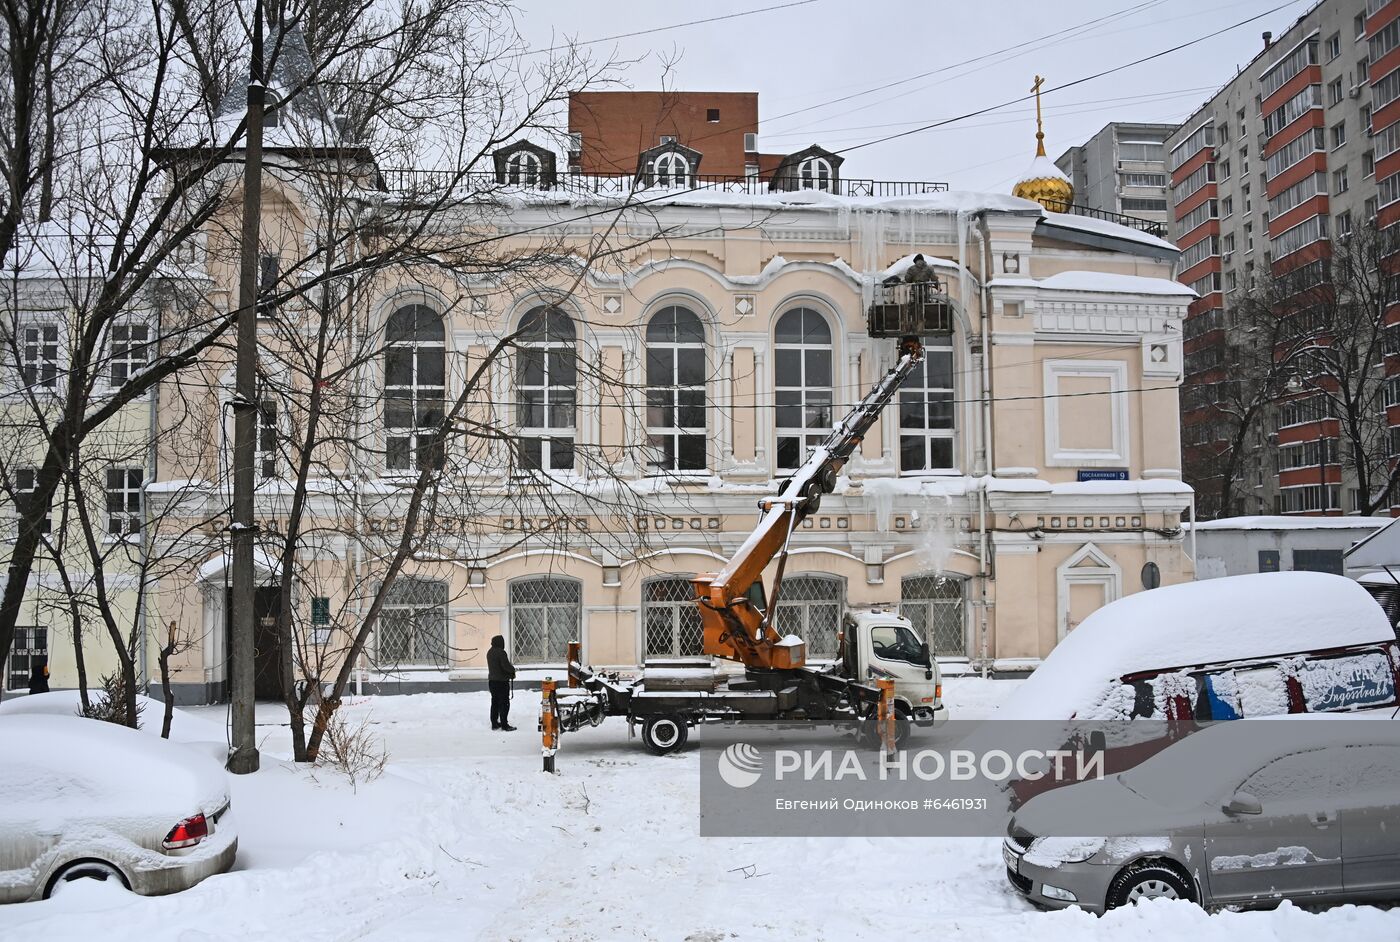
(736, 626)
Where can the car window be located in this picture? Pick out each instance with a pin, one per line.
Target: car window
(896, 643)
(1220, 697)
(1360, 770)
(1298, 775)
(1262, 691)
(1341, 683)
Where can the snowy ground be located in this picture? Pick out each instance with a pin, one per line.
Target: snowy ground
(466, 839)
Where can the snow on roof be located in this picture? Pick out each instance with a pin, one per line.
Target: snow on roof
(1042, 168)
(1096, 281)
(1293, 523)
(81, 762)
(1087, 488)
(1225, 619)
(1105, 228)
(946, 202)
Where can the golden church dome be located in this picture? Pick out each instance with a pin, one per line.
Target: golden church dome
(1043, 181)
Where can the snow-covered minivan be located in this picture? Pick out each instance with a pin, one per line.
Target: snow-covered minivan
(1258, 645)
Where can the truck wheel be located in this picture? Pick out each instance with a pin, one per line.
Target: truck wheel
(665, 733)
(1148, 880)
(868, 735)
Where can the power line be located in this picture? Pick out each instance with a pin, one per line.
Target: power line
(663, 29)
(997, 52)
(1078, 81)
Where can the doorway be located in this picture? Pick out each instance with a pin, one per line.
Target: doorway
(267, 651)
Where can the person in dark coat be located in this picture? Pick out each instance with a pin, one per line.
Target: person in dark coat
(39, 677)
(499, 673)
(921, 272)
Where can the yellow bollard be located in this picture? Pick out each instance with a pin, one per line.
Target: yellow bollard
(887, 716)
(549, 723)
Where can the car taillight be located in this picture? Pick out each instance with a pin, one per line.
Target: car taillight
(187, 833)
(938, 691)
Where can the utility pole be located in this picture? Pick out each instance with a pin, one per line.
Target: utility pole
(244, 757)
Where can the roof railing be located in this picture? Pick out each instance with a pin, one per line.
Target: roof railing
(411, 181)
(1148, 226)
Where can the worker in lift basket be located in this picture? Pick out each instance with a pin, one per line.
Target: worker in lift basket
(499, 673)
(920, 275)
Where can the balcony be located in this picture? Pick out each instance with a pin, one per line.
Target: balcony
(910, 310)
(439, 183)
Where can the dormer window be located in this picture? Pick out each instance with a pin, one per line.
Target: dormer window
(524, 164)
(814, 173)
(523, 167)
(272, 110)
(670, 169)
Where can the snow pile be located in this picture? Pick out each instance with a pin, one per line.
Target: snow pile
(1196, 623)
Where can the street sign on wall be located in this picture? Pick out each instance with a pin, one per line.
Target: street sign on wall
(1103, 474)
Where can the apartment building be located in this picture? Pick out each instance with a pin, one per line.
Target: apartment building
(1273, 167)
(1122, 169)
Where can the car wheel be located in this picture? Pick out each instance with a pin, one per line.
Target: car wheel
(1150, 880)
(86, 870)
(663, 734)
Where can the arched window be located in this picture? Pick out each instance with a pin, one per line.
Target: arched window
(675, 351)
(670, 169)
(272, 110)
(546, 389)
(934, 606)
(926, 411)
(523, 167)
(810, 607)
(415, 360)
(413, 624)
(671, 617)
(814, 173)
(545, 615)
(802, 380)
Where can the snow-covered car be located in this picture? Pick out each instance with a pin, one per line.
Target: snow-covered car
(1268, 644)
(1241, 814)
(81, 798)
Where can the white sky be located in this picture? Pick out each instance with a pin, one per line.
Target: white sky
(807, 55)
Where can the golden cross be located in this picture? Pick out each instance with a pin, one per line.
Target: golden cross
(1039, 125)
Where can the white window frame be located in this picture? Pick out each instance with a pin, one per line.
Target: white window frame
(416, 434)
(929, 434)
(803, 434)
(655, 462)
(670, 169)
(23, 344)
(815, 173)
(523, 168)
(26, 481)
(132, 364)
(1059, 456)
(548, 432)
(126, 523)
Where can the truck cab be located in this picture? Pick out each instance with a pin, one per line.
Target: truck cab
(881, 644)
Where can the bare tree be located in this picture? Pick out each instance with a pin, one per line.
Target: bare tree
(141, 179)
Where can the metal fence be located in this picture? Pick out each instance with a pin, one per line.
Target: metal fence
(454, 183)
